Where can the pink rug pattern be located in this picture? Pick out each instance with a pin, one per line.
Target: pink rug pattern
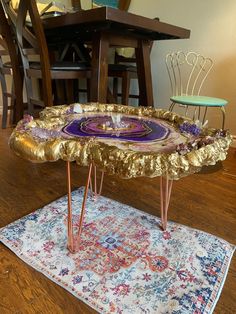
(126, 263)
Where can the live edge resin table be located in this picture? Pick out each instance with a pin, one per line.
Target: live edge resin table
(120, 140)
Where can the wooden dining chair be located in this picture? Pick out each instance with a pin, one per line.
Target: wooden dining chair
(187, 73)
(35, 56)
(6, 70)
(10, 74)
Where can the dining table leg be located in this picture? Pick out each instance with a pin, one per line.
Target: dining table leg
(73, 240)
(99, 63)
(144, 73)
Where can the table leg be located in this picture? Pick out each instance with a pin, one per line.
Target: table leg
(70, 237)
(73, 241)
(83, 206)
(165, 193)
(144, 73)
(93, 187)
(99, 76)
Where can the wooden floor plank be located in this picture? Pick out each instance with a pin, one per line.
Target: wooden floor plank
(203, 201)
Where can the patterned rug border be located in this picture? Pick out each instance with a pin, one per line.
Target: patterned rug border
(62, 284)
(215, 294)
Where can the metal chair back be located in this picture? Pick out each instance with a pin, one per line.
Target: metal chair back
(187, 72)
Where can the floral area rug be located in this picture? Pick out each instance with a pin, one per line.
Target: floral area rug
(126, 264)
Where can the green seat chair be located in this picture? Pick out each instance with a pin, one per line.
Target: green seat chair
(187, 73)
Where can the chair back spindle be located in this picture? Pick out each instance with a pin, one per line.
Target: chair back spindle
(8, 48)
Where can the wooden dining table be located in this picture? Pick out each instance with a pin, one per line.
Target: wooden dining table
(107, 27)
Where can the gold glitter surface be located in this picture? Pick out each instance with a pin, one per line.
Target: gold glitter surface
(124, 162)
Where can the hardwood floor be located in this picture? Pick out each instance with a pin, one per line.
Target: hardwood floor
(202, 201)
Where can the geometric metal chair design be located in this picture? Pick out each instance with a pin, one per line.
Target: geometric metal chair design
(187, 73)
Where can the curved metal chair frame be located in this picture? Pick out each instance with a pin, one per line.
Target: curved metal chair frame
(187, 73)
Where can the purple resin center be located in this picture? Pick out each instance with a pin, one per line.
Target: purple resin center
(130, 129)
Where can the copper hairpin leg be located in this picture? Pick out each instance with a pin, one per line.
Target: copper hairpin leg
(94, 189)
(165, 192)
(74, 240)
(70, 237)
